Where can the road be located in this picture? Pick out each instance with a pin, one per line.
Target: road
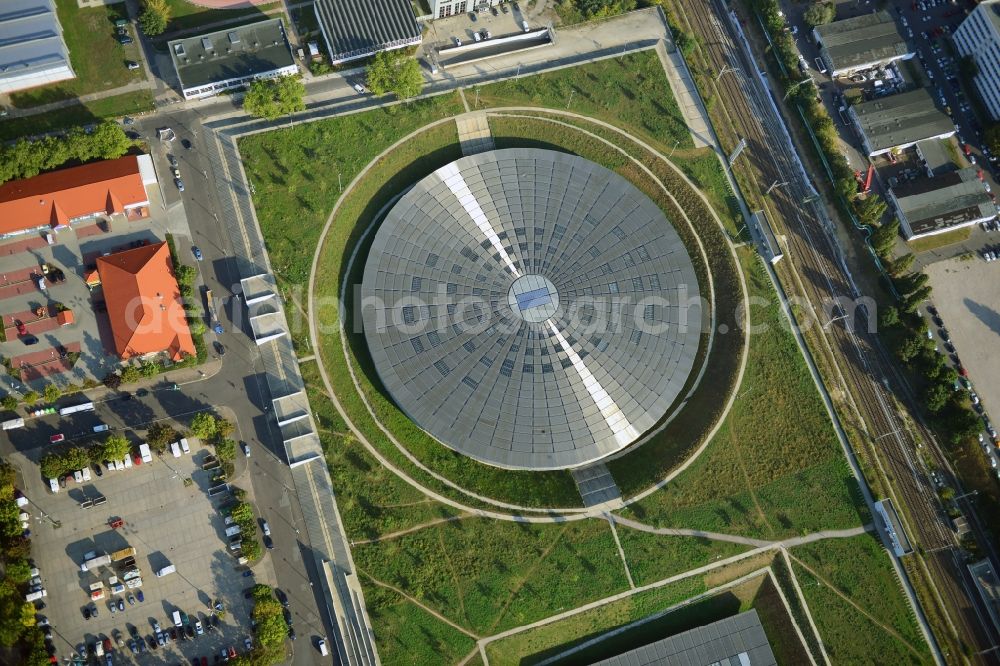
(867, 370)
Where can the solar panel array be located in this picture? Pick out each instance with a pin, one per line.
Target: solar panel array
(528, 308)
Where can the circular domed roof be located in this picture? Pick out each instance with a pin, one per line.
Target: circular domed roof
(530, 309)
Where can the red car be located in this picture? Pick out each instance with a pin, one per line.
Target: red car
(232, 652)
(21, 328)
(58, 437)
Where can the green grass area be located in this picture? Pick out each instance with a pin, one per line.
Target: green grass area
(653, 557)
(184, 14)
(372, 500)
(489, 576)
(775, 468)
(631, 92)
(703, 168)
(300, 170)
(96, 56)
(859, 568)
(940, 240)
(407, 634)
(78, 114)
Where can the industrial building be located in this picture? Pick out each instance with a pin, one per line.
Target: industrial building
(62, 197)
(446, 8)
(530, 309)
(32, 50)
(738, 640)
(861, 42)
(899, 121)
(355, 29)
(947, 202)
(209, 64)
(979, 36)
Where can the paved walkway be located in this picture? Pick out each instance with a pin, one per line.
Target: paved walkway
(686, 94)
(474, 133)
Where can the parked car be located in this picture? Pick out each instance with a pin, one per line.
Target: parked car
(132, 64)
(196, 251)
(121, 604)
(179, 183)
(246, 449)
(21, 328)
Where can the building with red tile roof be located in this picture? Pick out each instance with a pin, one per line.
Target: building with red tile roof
(56, 198)
(144, 303)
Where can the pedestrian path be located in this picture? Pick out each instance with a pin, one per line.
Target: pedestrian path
(474, 133)
(685, 93)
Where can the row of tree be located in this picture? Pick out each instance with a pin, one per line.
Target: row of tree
(22, 640)
(27, 158)
(59, 463)
(270, 629)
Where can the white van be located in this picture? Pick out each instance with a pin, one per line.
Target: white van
(175, 449)
(322, 647)
(86, 473)
(144, 453)
(54, 485)
(166, 571)
(184, 446)
(177, 618)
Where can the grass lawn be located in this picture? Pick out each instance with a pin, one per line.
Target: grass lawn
(703, 168)
(631, 92)
(653, 557)
(940, 240)
(371, 499)
(859, 568)
(407, 634)
(97, 58)
(489, 576)
(300, 170)
(78, 114)
(775, 468)
(188, 15)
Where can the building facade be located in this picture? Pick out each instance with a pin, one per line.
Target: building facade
(212, 63)
(446, 8)
(979, 37)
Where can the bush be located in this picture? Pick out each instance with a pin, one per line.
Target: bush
(251, 550)
(130, 374)
(160, 435)
(819, 13)
(9, 402)
(52, 393)
(225, 449)
(31, 397)
(149, 369)
(203, 426)
(112, 380)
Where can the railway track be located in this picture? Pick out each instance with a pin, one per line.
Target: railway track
(864, 365)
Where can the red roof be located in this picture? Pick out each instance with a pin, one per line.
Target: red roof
(57, 197)
(144, 303)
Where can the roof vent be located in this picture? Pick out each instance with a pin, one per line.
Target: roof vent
(206, 43)
(234, 38)
(179, 49)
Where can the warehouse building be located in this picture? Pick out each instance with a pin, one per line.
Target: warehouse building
(899, 121)
(32, 50)
(355, 29)
(860, 43)
(979, 37)
(944, 203)
(209, 64)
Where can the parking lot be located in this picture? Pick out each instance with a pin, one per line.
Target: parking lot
(169, 519)
(968, 304)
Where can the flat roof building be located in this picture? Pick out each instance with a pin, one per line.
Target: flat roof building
(979, 36)
(232, 58)
(355, 29)
(935, 205)
(144, 303)
(737, 641)
(860, 43)
(899, 121)
(936, 156)
(32, 50)
(60, 197)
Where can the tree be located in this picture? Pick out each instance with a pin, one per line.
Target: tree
(223, 428)
(888, 317)
(819, 13)
(31, 397)
(911, 282)
(115, 447)
(902, 263)
(909, 348)
(260, 592)
(52, 393)
(251, 550)
(155, 17)
(913, 301)
(936, 397)
(203, 425)
(130, 374)
(395, 72)
(870, 209)
(185, 274)
(883, 238)
(242, 512)
(148, 369)
(991, 135)
(967, 67)
(160, 435)
(225, 449)
(19, 571)
(52, 466)
(112, 380)
(9, 402)
(273, 98)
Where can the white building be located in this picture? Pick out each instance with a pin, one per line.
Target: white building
(32, 50)
(943, 203)
(979, 36)
(446, 8)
